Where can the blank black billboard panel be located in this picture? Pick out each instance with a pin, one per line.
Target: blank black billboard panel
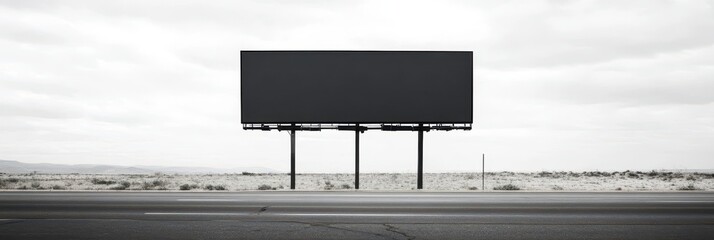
(356, 87)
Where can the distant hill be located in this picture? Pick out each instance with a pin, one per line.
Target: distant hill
(7, 166)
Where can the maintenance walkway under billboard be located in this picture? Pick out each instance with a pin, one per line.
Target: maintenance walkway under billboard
(357, 91)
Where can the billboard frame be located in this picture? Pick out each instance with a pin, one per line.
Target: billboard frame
(323, 123)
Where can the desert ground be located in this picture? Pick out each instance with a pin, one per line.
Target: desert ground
(495, 181)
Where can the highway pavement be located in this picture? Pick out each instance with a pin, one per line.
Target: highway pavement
(356, 215)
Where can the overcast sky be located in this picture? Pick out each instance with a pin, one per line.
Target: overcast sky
(559, 85)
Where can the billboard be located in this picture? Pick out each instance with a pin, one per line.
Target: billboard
(368, 87)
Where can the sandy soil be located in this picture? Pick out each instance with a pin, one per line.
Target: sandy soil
(528, 181)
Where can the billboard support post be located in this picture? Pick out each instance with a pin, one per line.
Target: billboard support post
(357, 156)
(420, 154)
(292, 157)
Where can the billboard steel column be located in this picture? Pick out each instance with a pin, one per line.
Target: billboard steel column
(292, 157)
(357, 157)
(420, 164)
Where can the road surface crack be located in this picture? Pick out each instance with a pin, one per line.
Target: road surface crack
(397, 231)
(263, 209)
(3, 223)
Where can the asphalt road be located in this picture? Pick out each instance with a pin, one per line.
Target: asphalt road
(356, 215)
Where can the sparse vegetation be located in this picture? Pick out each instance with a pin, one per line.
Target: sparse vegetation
(156, 184)
(265, 187)
(329, 185)
(103, 181)
(689, 187)
(508, 187)
(121, 186)
(535, 181)
(185, 187)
